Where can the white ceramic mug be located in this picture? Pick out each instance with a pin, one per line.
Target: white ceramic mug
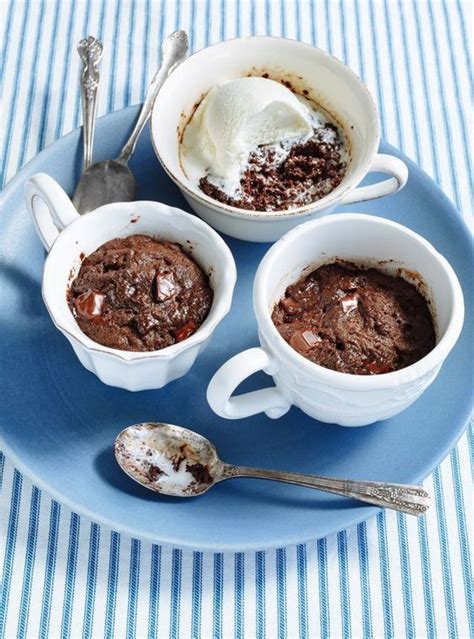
(327, 395)
(67, 237)
(325, 79)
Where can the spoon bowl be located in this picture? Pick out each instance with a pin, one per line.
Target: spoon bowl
(176, 461)
(104, 183)
(168, 459)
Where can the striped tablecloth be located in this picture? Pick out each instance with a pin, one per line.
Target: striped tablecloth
(393, 576)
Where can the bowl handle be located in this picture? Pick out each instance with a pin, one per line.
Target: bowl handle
(231, 374)
(50, 208)
(382, 164)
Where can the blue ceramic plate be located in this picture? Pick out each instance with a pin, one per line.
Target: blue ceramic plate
(58, 420)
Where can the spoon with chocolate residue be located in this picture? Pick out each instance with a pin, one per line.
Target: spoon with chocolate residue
(175, 461)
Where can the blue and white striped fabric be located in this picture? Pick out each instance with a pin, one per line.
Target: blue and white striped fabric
(393, 576)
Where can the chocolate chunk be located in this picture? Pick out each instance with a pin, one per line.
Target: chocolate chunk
(185, 331)
(303, 341)
(165, 286)
(154, 472)
(90, 304)
(200, 473)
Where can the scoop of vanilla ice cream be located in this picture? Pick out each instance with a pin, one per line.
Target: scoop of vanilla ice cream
(236, 117)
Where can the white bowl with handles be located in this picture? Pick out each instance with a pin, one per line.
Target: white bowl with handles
(67, 237)
(328, 395)
(328, 81)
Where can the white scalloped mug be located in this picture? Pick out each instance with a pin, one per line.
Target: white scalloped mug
(67, 237)
(326, 80)
(324, 394)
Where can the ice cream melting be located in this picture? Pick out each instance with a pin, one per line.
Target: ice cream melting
(234, 119)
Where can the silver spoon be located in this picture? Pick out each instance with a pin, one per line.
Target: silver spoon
(112, 180)
(176, 461)
(90, 51)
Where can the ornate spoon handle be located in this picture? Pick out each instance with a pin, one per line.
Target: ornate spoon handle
(90, 51)
(412, 500)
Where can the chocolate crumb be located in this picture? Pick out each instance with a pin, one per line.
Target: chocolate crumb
(200, 473)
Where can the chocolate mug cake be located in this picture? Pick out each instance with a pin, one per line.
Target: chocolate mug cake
(355, 321)
(139, 294)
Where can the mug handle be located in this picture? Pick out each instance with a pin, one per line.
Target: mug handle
(231, 374)
(382, 163)
(50, 208)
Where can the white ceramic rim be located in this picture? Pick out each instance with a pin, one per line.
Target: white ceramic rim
(348, 380)
(204, 331)
(302, 211)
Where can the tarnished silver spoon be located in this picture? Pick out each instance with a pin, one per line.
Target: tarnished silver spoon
(112, 180)
(176, 461)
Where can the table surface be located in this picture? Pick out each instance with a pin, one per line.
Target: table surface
(393, 576)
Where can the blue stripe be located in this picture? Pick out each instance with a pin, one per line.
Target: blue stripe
(427, 582)
(113, 68)
(196, 595)
(344, 584)
(327, 14)
(222, 23)
(298, 20)
(445, 559)
(381, 102)
(46, 103)
(65, 75)
(465, 41)
(313, 23)
(218, 594)
(322, 556)
(130, 45)
(260, 594)
(399, 128)
(175, 594)
(50, 568)
(31, 92)
(70, 581)
(6, 42)
(342, 18)
(268, 17)
(385, 575)
(239, 594)
(281, 592)
(282, 19)
(145, 49)
(362, 70)
(10, 544)
(463, 537)
(252, 17)
(154, 603)
(177, 15)
(161, 30)
(18, 73)
(301, 571)
(207, 23)
(29, 562)
(112, 582)
(133, 584)
(192, 20)
(237, 18)
(405, 575)
(91, 581)
(363, 552)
